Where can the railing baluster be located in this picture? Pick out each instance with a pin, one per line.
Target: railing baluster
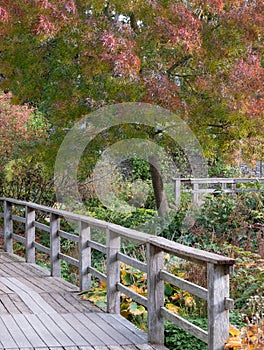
(218, 316)
(155, 263)
(113, 272)
(84, 256)
(30, 235)
(178, 192)
(195, 195)
(55, 267)
(8, 227)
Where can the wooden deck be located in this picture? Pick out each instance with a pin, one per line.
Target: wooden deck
(39, 311)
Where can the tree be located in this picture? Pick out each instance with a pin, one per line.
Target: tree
(18, 124)
(201, 59)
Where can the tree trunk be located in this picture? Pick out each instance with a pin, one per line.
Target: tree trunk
(157, 183)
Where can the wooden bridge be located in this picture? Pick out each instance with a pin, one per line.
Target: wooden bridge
(38, 309)
(198, 187)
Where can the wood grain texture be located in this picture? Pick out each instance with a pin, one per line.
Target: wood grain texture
(35, 314)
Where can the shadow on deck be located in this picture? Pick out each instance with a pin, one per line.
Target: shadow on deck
(39, 311)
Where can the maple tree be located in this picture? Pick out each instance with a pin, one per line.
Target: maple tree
(202, 59)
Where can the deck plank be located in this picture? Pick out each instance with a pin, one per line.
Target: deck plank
(39, 312)
(7, 340)
(105, 338)
(42, 331)
(15, 331)
(29, 331)
(90, 337)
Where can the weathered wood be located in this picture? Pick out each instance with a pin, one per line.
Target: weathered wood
(85, 256)
(101, 276)
(218, 316)
(177, 190)
(109, 328)
(18, 219)
(133, 334)
(155, 261)
(97, 246)
(227, 185)
(133, 295)
(15, 331)
(45, 334)
(95, 329)
(113, 272)
(132, 262)
(185, 285)
(69, 259)
(27, 329)
(186, 325)
(195, 195)
(6, 338)
(81, 327)
(55, 267)
(30, 235)
(189, 253)
(229, 304)
(8, 227)
(69, 236)
(19, 238)
(41, 248)
(40, 226)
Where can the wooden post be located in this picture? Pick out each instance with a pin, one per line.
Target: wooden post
(218, 316)
(113, 272)
(8, 227)
(55, 267)
(30, 235)
(233, 187)
(155, 262)
(84, 255)
(195, 194)
(178, 192)
(224, 186)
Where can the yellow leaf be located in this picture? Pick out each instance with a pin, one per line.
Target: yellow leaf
(172, 308)
(189, 301)
(233, 330)
(233, 343)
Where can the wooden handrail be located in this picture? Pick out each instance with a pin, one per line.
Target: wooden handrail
(228, 185)
(218, 267)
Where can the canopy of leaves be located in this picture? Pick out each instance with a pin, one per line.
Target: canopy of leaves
(203, 59)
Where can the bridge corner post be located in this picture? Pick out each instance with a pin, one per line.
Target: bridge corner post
(218, 314)
(30, 235)
(55, 267)
(8, 227)
(155, 262)
(195, 192)
(84, 255)
(113, 272)
(177, 189)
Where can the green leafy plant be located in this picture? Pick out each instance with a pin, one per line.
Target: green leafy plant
(178, 339)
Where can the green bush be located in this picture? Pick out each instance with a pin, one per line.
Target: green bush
(178, 339)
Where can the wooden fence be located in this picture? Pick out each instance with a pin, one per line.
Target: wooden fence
(218, 267)
(202, 186)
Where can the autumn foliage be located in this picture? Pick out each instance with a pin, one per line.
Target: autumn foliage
(202, 59)
(16, 126)
(248, 338)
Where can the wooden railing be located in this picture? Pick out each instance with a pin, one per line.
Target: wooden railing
(218, 267)
(202, 186)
